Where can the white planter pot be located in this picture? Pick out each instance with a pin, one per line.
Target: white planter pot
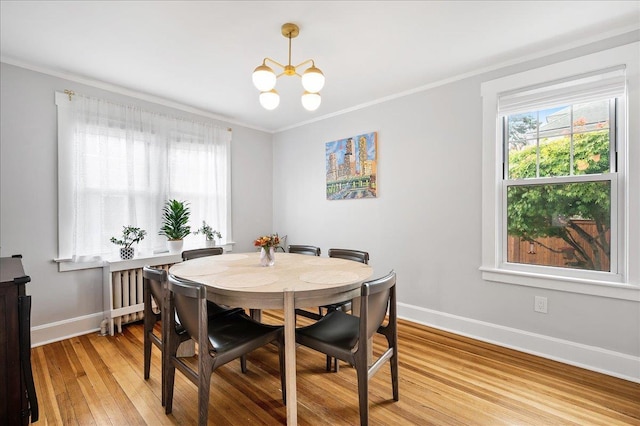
(175, 246)
(209, 243)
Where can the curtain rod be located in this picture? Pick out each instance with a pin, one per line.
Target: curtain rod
(71, 93)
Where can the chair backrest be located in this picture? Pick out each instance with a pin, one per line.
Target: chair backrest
(189, 300)
(301, 249)
(355, 255)
(203, 252)
(380, 295)
(154, 280)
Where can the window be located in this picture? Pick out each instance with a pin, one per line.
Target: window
(119, 164)
(559, 176)
(556, 174)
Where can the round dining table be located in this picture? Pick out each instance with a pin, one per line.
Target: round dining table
(294, 281)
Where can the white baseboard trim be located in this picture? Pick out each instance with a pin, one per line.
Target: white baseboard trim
(589, 357)
(60, 330)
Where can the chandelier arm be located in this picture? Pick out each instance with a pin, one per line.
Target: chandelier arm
(305, 62)
(264, 62)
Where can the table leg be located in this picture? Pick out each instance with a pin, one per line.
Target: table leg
(290, 356)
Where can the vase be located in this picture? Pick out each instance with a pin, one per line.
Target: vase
(267, 256)
(127, 253)
(210, 243)
(175, 246)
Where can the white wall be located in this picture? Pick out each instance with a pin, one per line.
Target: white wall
(426, 225)
(71, 302)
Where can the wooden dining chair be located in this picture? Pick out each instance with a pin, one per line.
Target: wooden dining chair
(348, 337)
(220, 339)
(302, 249)
(153, 283)
(214, 308)
(202, 252)
(348, 254)
(311, 251)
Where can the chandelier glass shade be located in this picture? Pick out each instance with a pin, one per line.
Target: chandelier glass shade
(269, 99)
(311, 101)
(264, 78)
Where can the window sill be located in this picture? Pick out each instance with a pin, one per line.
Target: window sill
(65, 265)
(608, 289)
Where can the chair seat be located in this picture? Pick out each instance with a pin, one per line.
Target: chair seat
(335, 330)
(214, 310)
(234, 334)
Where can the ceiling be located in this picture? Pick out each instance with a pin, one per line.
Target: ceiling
(202, 53)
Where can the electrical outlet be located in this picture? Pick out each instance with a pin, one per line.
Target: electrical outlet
(540, 304)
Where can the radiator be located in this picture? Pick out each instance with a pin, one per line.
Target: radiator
(123, 292)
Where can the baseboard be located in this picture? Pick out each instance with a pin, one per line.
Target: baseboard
(56, 331)
(589, 357)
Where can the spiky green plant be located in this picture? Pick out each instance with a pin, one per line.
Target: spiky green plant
(175, 218)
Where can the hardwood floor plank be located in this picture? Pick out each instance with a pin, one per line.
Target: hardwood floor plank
(133, 385)
(49, 412)
(445, 379)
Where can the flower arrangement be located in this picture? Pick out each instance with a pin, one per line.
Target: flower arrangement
(267, 241)
(208, 231)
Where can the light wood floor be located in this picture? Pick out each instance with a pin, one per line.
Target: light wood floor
(445, 379)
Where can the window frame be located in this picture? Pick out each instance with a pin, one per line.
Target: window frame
(66, 170)
(623, 283)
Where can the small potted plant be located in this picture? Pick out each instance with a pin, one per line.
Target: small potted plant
(209, 233)
(175, 219)
(130, 235)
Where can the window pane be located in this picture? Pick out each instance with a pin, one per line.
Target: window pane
(563, 225)
(522, 145)
(555, 157)
(562, 141)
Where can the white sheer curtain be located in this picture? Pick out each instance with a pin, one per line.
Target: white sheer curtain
(127, 162)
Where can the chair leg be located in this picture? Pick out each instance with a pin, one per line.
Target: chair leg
(147, 354)
(170, 375)
(335, 364)
(362, 372)
(243, 364)
(164, 377)
(283, 378)
(204, 382)
(394, 374)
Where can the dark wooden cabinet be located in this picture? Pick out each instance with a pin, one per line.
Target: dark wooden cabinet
(18, 402)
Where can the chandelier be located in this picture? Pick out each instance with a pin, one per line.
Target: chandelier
(265, 79)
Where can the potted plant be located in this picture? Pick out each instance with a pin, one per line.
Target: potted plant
(209, 233)
(130, 235)
(175, 218)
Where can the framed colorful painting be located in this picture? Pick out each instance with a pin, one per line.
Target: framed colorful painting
(352, 167)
